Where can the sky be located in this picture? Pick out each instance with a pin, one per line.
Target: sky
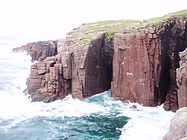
(51, 19)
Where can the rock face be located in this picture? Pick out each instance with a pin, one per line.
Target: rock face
(139, 65)
(136, 67)
(39, 50)
(178, 126)
(173, 40)
(145, 63)
(46, 82)
(82, 71)
(182, 80)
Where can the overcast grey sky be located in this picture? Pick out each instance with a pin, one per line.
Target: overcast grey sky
(51, 19)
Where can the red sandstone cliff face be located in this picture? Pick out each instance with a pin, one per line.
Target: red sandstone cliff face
(173, 40)
(47, 81)
(77, 70)
(138, 65)
(182, 80)
(39, 50)
(145, 63)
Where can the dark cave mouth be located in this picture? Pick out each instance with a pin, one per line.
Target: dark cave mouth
(99, 73)
(99, 69)
(173, 41)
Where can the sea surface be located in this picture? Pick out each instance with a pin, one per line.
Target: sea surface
(99, 117)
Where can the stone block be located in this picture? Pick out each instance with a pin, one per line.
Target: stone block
(41, 72)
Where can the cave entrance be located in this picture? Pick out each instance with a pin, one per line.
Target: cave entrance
(98, 76)
(173, 40)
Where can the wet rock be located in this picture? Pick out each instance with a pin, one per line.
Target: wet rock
(138, 65)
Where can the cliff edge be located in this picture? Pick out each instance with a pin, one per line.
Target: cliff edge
(137, 60)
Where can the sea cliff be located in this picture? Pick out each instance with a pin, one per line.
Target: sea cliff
(137, 60)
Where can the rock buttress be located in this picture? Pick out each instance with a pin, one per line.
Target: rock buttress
(172, 40)
(81, 70)
(141, 63)
(182, 80)
(145, 63)
(136, 67)
(50, 80)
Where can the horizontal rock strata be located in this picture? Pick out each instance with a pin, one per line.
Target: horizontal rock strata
(77, 70)
(139, 65)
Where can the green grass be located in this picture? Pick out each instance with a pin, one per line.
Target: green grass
(115, 25)
(180, 13)
(156, 21)
(90, 31)
(110, 34)
(109, 27)
(86, 39)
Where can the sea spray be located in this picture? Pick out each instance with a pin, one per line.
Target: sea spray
(97, 117)
(146, 123)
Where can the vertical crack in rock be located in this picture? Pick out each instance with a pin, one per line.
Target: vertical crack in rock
(82, 71)
(51, 79)
(138, 65)
(98, 66)
(172, 41)
(145, 63)
(182, 76)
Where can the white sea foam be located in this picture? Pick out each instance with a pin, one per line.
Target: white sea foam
(15, 105)
(145, 123)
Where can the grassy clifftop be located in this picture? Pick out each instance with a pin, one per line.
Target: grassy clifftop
(158, 20)
(87, 32)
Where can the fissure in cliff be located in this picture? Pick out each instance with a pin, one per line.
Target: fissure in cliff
(139, 65)
(172, 41)
(99, 66)
(145, 64)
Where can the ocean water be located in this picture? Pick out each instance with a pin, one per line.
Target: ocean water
(99, 117)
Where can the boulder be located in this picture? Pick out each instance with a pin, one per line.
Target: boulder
(178, 126)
